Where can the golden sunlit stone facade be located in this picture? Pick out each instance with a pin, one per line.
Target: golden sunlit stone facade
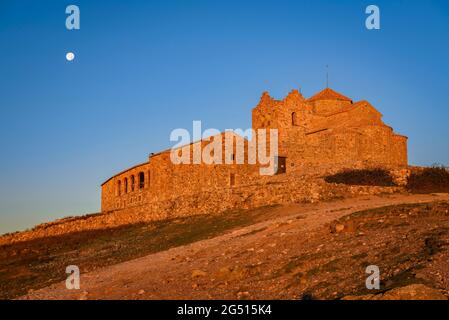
(324, 133)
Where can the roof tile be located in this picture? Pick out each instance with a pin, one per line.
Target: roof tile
(328, 94)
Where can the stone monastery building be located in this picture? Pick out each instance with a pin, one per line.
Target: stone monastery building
(324, 133)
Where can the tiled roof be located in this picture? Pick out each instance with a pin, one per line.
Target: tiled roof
(328, 94)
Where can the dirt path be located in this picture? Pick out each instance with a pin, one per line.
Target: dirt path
(244, 263)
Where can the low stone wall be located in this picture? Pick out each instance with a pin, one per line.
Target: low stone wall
(268, 191)
(400, 176)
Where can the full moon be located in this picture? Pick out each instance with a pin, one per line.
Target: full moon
(70, 56)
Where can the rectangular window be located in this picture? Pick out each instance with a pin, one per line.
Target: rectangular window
(232, 179)
(141, 180)
(282, 165)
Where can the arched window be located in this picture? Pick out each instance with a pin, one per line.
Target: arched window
(126, 185)
(141, 180)
(119, 188)
(294, 119)
(132, 182)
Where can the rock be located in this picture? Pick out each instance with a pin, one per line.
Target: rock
(141, 292)
(83, 295)
(198, 273)
(339, 227)
(414, 292)
(223, 272)
(242, 295)
(410, 292)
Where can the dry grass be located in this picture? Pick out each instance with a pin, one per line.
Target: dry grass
(429, 180)
(38, 263)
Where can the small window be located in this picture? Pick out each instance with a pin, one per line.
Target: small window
(281, 165)
(294, 119)
(126, 185)
(149, 178)
(141, 180)
(132, 183)
(232, 179)
(119, 187)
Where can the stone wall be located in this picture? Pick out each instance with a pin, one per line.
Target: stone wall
(324, 133)
(164, 179)
(269, 190)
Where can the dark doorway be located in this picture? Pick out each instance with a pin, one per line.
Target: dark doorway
(282, 167)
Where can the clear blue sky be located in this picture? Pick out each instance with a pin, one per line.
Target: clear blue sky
(143, 68)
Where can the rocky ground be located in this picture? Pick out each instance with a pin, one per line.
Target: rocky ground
(300, 251)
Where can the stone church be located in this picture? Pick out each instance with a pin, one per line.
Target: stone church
(324, 133)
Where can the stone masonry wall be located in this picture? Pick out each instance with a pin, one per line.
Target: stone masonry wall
(324, 133)
(268, 191)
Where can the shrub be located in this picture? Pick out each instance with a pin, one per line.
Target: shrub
(362, 177)
(429, 180)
